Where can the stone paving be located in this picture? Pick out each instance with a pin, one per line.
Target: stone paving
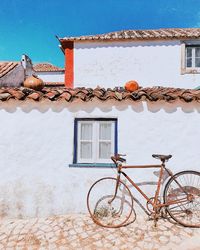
(79, 232)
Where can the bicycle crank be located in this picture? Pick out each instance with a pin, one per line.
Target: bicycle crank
(150, 207)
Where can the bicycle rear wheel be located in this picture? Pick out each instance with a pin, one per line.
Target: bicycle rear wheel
(186, 186)
(105, 208)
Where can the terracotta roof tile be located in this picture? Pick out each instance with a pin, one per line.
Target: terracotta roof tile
(6, 67)
(46, 67)
(16, 94)
(171, 33)
(153, 94)
(66, 96)
(35, 96)
(5, 96)
(52, 94)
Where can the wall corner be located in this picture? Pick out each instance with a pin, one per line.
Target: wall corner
(69, 64)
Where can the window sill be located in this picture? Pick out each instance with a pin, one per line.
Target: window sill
(92, 165)
(190, 71)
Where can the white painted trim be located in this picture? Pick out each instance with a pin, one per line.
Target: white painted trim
(183, 58)
(184, 68)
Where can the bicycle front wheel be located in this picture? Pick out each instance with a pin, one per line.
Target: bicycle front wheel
(109, 208)
(182, 193)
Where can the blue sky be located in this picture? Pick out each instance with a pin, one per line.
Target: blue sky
(28, 26)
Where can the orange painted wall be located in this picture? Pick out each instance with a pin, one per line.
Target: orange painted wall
(69, 65)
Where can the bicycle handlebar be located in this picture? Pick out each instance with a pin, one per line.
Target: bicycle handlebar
(117, 158)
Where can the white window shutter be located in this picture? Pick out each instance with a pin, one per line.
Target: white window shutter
(105, 130)
(106, 141)
(85, 141)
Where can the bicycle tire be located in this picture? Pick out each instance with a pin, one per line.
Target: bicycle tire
(185, 213)
(103, 213)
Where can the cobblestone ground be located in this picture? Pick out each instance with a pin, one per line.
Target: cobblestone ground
(79, 232)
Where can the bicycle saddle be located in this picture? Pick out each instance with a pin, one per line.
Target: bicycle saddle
(162, 157)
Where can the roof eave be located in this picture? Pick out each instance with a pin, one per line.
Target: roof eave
(64, 41)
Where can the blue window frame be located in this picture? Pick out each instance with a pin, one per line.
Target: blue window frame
(95, 140)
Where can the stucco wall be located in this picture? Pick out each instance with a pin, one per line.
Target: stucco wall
(36, 148)
(51, 76)
(111, 64)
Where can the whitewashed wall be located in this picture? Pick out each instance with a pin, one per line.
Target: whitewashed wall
(51, 76)
(111, 64)
(36, 148)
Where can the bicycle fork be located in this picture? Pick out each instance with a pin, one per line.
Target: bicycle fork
(116, 188)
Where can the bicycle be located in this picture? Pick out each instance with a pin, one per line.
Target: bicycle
(181, 196)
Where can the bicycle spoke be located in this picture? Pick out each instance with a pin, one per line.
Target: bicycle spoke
(184, 184)
(108, 206)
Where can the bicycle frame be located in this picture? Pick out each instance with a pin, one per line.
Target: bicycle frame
(180, 197)
(154, 203)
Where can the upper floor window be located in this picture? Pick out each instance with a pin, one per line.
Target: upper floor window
(190, 57)
(95, 140)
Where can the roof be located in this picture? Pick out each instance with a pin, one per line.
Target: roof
(153, 94)
(6, 67)
(46, 67)
(154, 34)
(54, 84)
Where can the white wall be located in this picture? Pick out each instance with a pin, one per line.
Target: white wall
(51, 76)
(36, 148)
(110, 64)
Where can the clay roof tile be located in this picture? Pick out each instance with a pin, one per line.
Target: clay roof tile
(170, 33)
(6, 67)
(47, 67)
(153, 94)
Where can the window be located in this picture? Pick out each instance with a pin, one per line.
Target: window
(190, 57)
(95, 140)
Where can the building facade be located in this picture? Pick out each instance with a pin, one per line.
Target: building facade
(14, 73)
(48, 138)
(164, 57)
(57, 141)
(49, 73)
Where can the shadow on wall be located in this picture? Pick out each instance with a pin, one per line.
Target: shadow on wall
(106, 107)
(173, 107)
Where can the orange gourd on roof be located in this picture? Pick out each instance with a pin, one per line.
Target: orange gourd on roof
(34, 82)
(131, 86)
